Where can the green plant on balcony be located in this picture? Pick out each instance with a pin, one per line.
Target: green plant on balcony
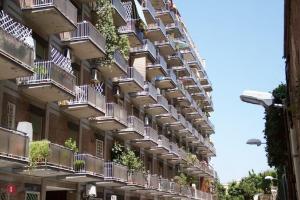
(127, 157)
(191, 159)
(105, 25)
(184, 179)
(79, 165)
(71, 144)
(38, 152)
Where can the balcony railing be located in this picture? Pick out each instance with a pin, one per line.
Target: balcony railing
(153, 183)
(174, 188)
(90, 164)
(158, 25)
(47, 71)
(113, 171)
(116, 111)
(148, 5)
(120, 60)
(60, 156)
(13, 144)
(163, 101)
(186, 191)
(161, 62)
(147, 46)
(174, 148)
(151, 134)
(163, 142)
(137, 178)
(133, 74)
(131, 28)
(173, 111)
(151, 90)
(87, 94)
(164, 185)
(119, 7)
(65, 7)
(182, 153)
(136, 124)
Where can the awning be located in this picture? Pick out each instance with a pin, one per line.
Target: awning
(140, 12)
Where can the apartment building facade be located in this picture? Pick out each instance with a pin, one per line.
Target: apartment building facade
(55, 84)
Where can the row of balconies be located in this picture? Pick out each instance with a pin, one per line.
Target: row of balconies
(63, 161)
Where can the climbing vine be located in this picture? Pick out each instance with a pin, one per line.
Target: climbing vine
(105, 25)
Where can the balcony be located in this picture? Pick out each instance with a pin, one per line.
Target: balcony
(149, 12)
(175, 59)
(12, 155)
(157, 69)
(114, 175)
(163, 146)
(88, 102)
(88, 169)
(135, 36)
(42, 15)
(168, 118)
(117, 68)
(16, 58)
(166, 47)
(149, 140)
(177, 92)
(164, 186)
(156, 31)
(175, 29)
(188, 55)
(49, 82)
(115, 118)
(132, 82)
(174, 153)
(59, 162)
(145, 97)
(166, 82)
(180, 124)
(158, 4)
(119, 13)
(161, 107)
(192, 108)
(134, 130)
(185, 101)
(196, 65)
(191, 79)
(136, 181)
(86, 41)
(167, 16)
(146, 49)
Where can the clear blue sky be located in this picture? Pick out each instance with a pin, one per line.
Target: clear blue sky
(242, 41)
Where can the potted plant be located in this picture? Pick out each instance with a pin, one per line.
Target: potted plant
(38, 152)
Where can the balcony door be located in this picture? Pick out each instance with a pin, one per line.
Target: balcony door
(37, 119)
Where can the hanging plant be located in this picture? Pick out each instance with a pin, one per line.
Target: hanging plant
(105, 25)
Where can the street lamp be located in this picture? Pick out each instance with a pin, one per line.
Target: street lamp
(256, 142)
(259, 98)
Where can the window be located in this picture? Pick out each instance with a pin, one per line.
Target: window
(99, 148)
(11, 115)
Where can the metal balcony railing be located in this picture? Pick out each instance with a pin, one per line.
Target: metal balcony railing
(87, 94)
(172, 75)
(147, 45)
(60, 156)
(119, 7)
(182, 153)
(174, 148)
(115, 171)
(90, 164)
(158, 25)
(12, 39)
(174, 188)
(135, 75)
(153, 181)
(116, 111)
(131, 28)
(65, 7)
(163, 142)
(148, 87)
(163, 101)
(151, 134)
(137, 178)
(85, 30)
(13, 144)
(136, 124)
(164, 185)
(160, 61)
(173, 111)
(120, 60)
(186, 191)
(48, 71)
(176, 24)
(148, 5)
(182, 120)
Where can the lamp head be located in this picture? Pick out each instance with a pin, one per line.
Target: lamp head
(259, 98)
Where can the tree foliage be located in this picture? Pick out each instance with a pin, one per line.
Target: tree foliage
(105, 25)
(275, 136)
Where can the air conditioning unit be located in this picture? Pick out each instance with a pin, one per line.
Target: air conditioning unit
(91, 190)
(113, 197)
